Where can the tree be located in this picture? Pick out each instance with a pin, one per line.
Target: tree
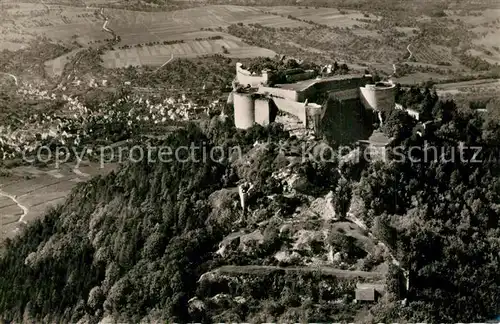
(292, 64)
(427, 104)
(96, 297)
(342, 197)
(444, 110)
(395, 288)
(399, 124)
(343, 69)
(384, 231)
(491, 124)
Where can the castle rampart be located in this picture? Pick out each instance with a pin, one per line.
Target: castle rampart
(297, 109)
(245, 77)
(263, 111)
(297, 98)
(288, 94)
(244, 110)
(379, 96)
(309, 89)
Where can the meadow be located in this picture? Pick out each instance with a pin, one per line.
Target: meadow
(159, 54)
(26, 192)
(485, 26)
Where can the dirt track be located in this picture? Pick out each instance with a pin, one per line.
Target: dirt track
(28, 192)
(323, 271)
(11, 75)
(22, 207)
(104, 26)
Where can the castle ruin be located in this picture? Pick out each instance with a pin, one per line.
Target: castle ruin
(255, 100)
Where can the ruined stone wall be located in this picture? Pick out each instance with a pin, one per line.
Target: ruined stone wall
(245, 77)
(314, 113)
(379, 98)
(280, 93)
(244, 110)
(346, 122)
(297, 109)
(309, 74)
(249, 110)
(263, 111)
(336, 85)
(348, 94)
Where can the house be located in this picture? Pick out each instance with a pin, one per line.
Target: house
(375, 148)
(368, 292)
(366, 295)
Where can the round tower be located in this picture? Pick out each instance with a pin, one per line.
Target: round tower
(379, 96)
(314, 113)
(244, 110)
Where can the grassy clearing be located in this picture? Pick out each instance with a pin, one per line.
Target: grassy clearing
(38, 190)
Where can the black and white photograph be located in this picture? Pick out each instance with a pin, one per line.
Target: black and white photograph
(249, 161)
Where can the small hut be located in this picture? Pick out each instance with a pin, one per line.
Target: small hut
(368, 292)
(366, 295)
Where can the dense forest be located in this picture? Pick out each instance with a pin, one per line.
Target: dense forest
(134, 243)
(443, 208)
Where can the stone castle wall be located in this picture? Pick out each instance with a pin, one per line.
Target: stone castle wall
(245, 77)
(280, 93)
(244, 110)
(256, 108)
(378, 97)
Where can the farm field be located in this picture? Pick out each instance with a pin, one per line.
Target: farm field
(355, 39)
(491, 56)
(28, 192)
(327, 16)
(433, 54)
(159, 54)
(419, 77)
(485, 24)
(84, 25)
(476, 18)
(55, 67)
(13, 46)
(475, 86)
(27, 21)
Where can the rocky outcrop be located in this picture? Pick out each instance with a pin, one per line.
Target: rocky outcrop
(224, 205)
(323, 206)
(243, 243)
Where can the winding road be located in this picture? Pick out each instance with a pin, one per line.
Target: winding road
(351, 217)
(394, 68)
(409, 51)
(105, 25)
(45, 5)
(171, 58)
(21, 206)
(265, 270)
(80, 173)
(10, 75)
